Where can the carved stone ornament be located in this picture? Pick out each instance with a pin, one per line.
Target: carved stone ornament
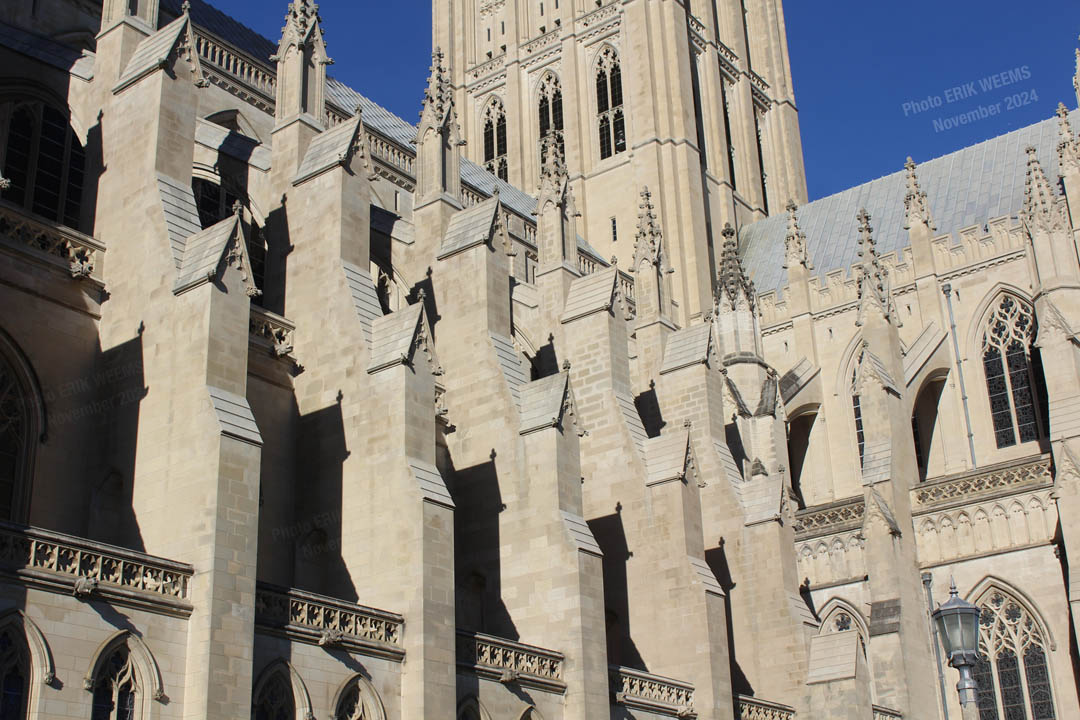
(872, 278)
(84, 587)
(916, 208)
(795, 252)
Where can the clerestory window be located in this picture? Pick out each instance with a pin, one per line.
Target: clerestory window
(1012, 378)
(43, 159)
(611, 117)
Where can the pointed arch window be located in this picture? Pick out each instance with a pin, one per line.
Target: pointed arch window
(611, 118)
(116, 689)
(359, 701)
(1012, 671)
(274, 700)
(1013, 379)
(44, 160)
(495, 139)
(215, 203)
(21, 425)
(550, 112)
(14, 675)
(856, 405)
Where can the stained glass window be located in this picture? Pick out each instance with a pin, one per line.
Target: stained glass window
(275, 699)
(609, 104)
(1012, 672)
(14, 440)
(14, 675)
(115, 689)
(358, 703)
(44, 160)
(1010, 378)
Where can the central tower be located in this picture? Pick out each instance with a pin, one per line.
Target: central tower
(692, 98)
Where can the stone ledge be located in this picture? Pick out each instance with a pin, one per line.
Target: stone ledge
(652, 693)
(507, 661)
(750, 708)
(986, 483)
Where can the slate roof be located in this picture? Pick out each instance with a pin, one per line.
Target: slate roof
(468, 227)
(79, 64)
(181, 214)
(328, 149)
(203, 251)
(590, 293)
(969, 186)
(152, 51)
(689, 346)
(542, 403)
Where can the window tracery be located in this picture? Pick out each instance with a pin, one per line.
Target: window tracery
(43, 159)
(1012, 671)
(17, 441)
(495, 139)
(611, 118)
(116, 688)
(550, 111)
(1010, 379)
(275, 700)
(359, 702)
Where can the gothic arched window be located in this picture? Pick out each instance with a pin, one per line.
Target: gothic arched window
(21, 420)
(1011, 377)
(495, 139)
(215, 203)
(116, 688)
(14, 675)
(611, 119)
(359, 702)
(44, 160)
(1012, 672)
(274, 699)
(856, 405)
(551, 112)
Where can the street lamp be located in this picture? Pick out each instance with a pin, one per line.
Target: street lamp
(958, 628)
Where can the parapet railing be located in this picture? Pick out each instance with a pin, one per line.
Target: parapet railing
(750, 708)
(652, 693)
(60, 245)
(884, 713)
(987, 481)
(831, 518)
(329, 622)
(236, 64)
(509, 661)
(86, 567)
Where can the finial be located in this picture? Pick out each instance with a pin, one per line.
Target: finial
(1041, 211)
(916, 208)
(872, 278)
(648, 240)
(185, 8)
(688, 423)
(953, 592)
(566, 365)
(736, 290)
(1068, 146)
(553, 168)
(238, 208)
(421, 294)
(614, 261)
(795, 242)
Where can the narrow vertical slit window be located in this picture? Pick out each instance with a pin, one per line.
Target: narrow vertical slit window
(727, 134)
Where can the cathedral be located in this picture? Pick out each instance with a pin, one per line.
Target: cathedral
(562, 403)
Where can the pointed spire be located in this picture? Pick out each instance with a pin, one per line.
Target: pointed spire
(302, 16)
(736, 290)
(647, 242)
(439, 94)
(917, 210)
(301, 63)
(1068, 145)
(871, 277)
(553, 168)
(185, 8)
(1041, 210)
(795, 252)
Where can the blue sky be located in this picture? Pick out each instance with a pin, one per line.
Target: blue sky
(856, 66)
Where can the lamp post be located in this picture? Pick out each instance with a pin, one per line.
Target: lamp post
(958, 629)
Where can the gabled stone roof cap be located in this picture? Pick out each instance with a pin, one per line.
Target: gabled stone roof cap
(364, 296)
(833, 656)
(876, 462)
(235, 416)
(667, 456)
(542, 403)
(590, 293)
(181, 214)
(329, 149)
(203, 251)
(392, 337)
(152, 52)
(468, 228)
(689, 346)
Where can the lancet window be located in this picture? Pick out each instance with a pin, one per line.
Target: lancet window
(14, 675)
(495, 139)
(1011, 376)
(550, 110)
(116, 689)
(611, 118)
(274, 699)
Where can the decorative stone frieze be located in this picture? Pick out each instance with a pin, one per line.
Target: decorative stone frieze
(991, 481)
(76, 253)
(652, 693)
(755, 709)
(329, 622)
(827, 519)
(82, 568)
(511, 662)
(542, 42)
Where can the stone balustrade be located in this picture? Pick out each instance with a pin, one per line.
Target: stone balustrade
(487, 67)
(831, 518)
(59, 245)
(272, 332)
(984, 482)
(511, 662)
(86, 568)
(597, 16)
(391, 153)
(749, 708)
(329, 622)
(254, 76)
(540, 43)
(652, 693)
(884, 713)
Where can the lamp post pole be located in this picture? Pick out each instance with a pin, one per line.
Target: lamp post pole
(957, 623)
